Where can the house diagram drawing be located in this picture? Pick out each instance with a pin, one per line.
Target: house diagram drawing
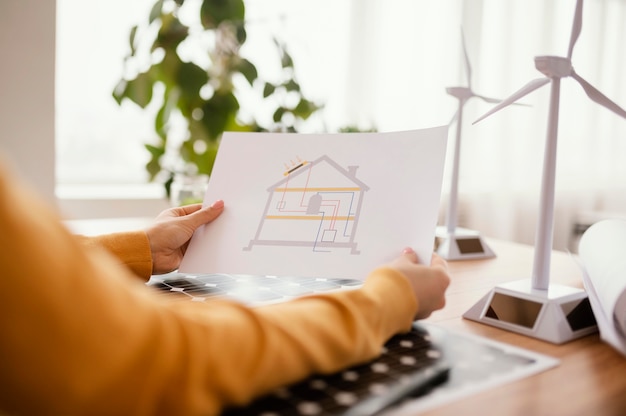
(316, 205)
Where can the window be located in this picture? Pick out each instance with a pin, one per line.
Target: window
(99, 142)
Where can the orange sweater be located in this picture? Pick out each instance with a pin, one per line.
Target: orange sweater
(82, 335)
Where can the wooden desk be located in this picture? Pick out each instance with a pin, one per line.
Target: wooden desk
(591, 379)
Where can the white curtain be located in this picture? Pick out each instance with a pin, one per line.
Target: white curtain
(405, 52)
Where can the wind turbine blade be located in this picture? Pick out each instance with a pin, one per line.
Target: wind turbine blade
(525, 90)
(497, 100)
(468, 67)
(576, 27)
(487, 99)
(598, 97)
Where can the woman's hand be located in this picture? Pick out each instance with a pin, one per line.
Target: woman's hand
(170, 234)
(429, 283)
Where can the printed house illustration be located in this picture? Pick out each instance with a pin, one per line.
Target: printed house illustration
(316, 205)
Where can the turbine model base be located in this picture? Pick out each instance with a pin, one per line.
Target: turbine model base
(462, 244)
(559, 314)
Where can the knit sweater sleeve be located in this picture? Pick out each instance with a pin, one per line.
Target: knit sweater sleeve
(131, 249)
(81, 337)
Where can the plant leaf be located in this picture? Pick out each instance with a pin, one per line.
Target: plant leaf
(248, 70)
(204, 161)
(153, 167)
(268, 89)
(305, 108)
(190, 78)
(160, 122)
(156, 11)
(119, 91)
(291, 85)
(155, 151)
(217, 112)
(214, 12)
(171, 33)
(133, 34)
(138, 90)
(167, 70)
(278, 114)
(286, 60)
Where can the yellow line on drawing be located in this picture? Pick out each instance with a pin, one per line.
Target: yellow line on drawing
(308, 217)
(316, 189)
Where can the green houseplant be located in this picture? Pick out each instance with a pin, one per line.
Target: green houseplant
(201, 94)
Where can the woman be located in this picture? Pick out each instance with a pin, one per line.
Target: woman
(81, 333)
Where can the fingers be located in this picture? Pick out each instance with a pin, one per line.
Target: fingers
(438, 261)
(206, 215)
(193, 215)
(428, 281)
(189, 209)
(177, 212)
(410, 254)
(219, 204)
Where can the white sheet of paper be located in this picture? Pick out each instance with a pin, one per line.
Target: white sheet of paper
(601, 251)
(320, 205)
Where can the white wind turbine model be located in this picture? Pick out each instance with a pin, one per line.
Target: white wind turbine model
(457, 243)
(535, 307)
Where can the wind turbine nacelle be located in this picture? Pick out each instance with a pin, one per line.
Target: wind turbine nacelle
(554, 66)
(462, 93)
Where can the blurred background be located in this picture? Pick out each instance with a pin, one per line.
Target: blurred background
(371, 64)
